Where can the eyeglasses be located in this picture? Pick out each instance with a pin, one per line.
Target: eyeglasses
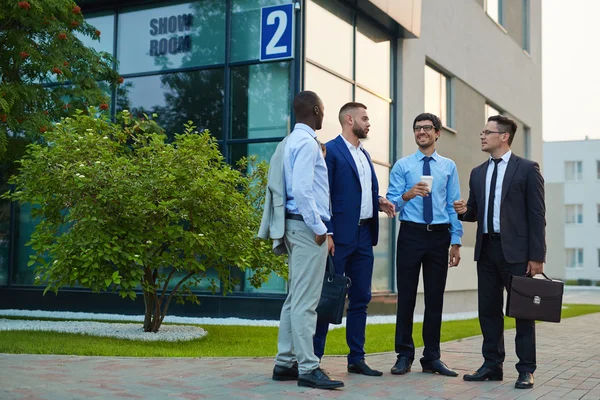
(426, 128)
(487, 133)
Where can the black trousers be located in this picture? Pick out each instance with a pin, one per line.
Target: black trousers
(493, 272)
(415, 248)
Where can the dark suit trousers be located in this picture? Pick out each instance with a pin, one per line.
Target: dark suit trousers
(493, 273)
(355, 260)
(415, 248)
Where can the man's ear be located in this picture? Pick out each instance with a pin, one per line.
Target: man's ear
(316, 110)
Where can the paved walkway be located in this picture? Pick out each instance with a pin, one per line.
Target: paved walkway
(568, 367)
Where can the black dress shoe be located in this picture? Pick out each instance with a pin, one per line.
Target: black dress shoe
(437, 366)
(485, 373)
(318, 379)
(362, 367)
(525, 380)
(285, 373)
(402, 366)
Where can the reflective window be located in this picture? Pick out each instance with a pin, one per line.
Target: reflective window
(490, 111)
(373, 44)
(574, 214)
(334, 92)
(378, 141)
(573, 170)
(329, 36)
(574, 258)
(23, 274)
(245, 28)
(264, 151)
(175, 36)
(436, 94)
(4, 229)
(106, 25)
(177, 98)
(260, 101)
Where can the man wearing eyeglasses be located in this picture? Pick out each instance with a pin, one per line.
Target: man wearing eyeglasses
(506, 198)
(429, 226)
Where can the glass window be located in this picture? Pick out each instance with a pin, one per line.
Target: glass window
(373, 44)
(260, 101)
(4, 230)
(175, 36)
(598, 212)
(436, 94)
(382, 252)
(22, 274)
(329, 36)
(334, 92)
(526, 25)
(574, 258)
(264, 151)
(245, 28)
(493, 8)
(573, 170)
(177, 98)
(378, 141)
(597, 169)
(106, 25)
(527, 138)
(574, 214)
(490, 111)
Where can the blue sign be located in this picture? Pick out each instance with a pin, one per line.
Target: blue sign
(277, 32)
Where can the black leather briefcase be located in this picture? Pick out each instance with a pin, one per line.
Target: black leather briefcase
(538, 299)
(333, 295)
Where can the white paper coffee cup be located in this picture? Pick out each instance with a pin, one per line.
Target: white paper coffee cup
(428, 179)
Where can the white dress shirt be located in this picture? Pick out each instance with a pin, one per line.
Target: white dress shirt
(498, 196)
(365, 177)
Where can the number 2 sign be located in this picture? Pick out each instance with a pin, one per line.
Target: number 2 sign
(276, 32)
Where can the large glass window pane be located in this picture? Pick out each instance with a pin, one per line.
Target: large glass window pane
(264, 151)
(372, 58)
(106, 25)
(382, 252)
(177, 98)
(334, 92)
(378, 141)
(175, 36)
(22, 274)
(260, 101)
(4, 228)
(436, 95)
(329, 35)
(245, 27)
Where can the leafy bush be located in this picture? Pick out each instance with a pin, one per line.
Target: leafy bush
(121, 207)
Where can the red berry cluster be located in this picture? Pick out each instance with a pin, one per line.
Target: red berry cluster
(24, 5)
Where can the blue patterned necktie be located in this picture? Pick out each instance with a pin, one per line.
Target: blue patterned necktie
(427, 203)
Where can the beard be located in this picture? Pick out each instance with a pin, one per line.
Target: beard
(359, 132)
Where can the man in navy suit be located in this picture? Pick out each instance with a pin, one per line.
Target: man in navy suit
(354, 227)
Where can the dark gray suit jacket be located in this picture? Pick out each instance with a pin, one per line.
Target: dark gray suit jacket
(522, 210)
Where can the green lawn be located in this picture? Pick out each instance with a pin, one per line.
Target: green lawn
(230, 341)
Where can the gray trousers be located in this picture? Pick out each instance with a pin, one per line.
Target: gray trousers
(298, 320)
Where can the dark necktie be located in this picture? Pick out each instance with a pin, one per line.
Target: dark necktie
(490, 215)
(427, 204)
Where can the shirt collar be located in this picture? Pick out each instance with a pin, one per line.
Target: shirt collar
(350, 145)
(505, 157)
(420, 155)
(306, 128)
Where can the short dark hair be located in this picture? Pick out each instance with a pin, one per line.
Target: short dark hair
(437, 123)
(347, 107)
(505, 125)
(304, 102)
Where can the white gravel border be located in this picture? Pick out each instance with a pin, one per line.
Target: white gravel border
(167, 333)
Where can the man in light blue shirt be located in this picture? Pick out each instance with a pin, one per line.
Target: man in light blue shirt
(307, 207)
(429, 226)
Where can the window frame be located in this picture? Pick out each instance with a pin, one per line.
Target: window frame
(577, 214)
(579, 255)
(577, 172)
(449, 122)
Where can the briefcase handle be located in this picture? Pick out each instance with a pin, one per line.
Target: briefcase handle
(331, 271)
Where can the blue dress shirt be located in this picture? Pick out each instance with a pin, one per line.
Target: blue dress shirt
(306, 181)
(446, 189)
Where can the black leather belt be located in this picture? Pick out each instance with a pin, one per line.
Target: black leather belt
(427, 227)
(364, 221)
(297, 217)
(492, 236)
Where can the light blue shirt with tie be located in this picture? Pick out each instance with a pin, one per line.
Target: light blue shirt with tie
(306, 180)
(446, 189)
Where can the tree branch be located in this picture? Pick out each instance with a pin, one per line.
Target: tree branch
(175, 289)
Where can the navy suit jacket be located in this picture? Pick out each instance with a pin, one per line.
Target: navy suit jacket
(346, 192)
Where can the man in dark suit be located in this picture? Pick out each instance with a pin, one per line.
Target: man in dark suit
(506, 198)
(354, 227)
